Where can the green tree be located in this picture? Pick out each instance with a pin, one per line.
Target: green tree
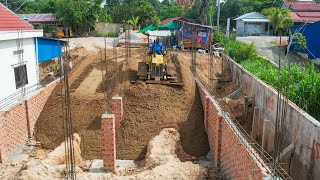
(156, 5)
(170, 11)
(280, 19)
(134, 21)
(204, 11)
(299, 41)
(143, 9)
(35, 6)
(81, 15)
(193, 13)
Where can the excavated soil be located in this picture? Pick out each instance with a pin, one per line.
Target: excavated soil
(148, 108)
(223, 88)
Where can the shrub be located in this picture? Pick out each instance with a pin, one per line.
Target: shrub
(303, 81)
(101, 34)
(112, 34)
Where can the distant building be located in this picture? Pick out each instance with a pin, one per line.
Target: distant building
(303, 10)
(252, 24)
(185, 4)
(43, 19)
(22, 48)
(169, 20)
(19, 68)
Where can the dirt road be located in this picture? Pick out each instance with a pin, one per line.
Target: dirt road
(266, 46)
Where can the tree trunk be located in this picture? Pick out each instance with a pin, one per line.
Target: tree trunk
(204, 11)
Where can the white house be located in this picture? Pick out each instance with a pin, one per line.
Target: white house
(252, 24)
(18, 56)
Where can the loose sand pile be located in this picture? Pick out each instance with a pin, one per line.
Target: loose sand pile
(161, 162)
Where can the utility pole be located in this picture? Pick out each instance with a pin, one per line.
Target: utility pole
(218, 18)
(228, 28)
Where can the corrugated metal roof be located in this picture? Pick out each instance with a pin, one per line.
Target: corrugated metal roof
(166, 21)
(256, 20)
(9, 21)
(252, 15)
(195, 24)
(39, 18)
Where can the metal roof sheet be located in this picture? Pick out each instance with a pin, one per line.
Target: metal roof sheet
(256, 20)
(252, 15)
(38, 18)
(166, 21)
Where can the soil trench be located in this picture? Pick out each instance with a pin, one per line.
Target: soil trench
(148, 108)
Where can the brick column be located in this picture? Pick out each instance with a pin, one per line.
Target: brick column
(117, 110)
(108, 137)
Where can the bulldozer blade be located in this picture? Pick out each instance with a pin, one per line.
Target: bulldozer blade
(163, 82)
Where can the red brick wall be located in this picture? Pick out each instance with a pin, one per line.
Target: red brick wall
(117, 110)
(17, 124)
(108, 141)
(230, 154)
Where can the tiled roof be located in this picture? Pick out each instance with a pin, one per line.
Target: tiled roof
(302, 6)
(288, 2)
(39, 18)
(305, 16)
(9, 21)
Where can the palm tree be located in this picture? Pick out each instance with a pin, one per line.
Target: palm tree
(134, 22)
(280, 19)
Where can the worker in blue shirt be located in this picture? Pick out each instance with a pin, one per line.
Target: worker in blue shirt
(157, 46)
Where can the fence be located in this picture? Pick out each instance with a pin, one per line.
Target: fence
(235, 152)
(301, 130)
(17, 123)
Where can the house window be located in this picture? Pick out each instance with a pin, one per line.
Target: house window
(17, 52)
(21, 75)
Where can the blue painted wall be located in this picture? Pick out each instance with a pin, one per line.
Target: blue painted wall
(48, 49)
(312, 34)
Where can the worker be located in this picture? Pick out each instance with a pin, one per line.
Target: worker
(157, 46)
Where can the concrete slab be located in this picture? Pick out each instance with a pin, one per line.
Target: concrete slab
(121, 166)
(97, 166)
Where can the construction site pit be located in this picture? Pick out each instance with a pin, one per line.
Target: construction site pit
(148, 108)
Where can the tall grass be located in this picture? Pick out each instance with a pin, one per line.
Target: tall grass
(303, 81)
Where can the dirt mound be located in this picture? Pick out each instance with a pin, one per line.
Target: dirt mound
(147, 110)
(161, 162)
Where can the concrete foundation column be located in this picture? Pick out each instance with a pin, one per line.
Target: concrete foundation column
(28, 119)
(108, 141)
(255, 122)
(217, 145)
(117, 110)
(265, 133)
(206, 110)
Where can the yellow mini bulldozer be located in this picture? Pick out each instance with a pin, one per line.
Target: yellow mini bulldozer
(157, 68)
